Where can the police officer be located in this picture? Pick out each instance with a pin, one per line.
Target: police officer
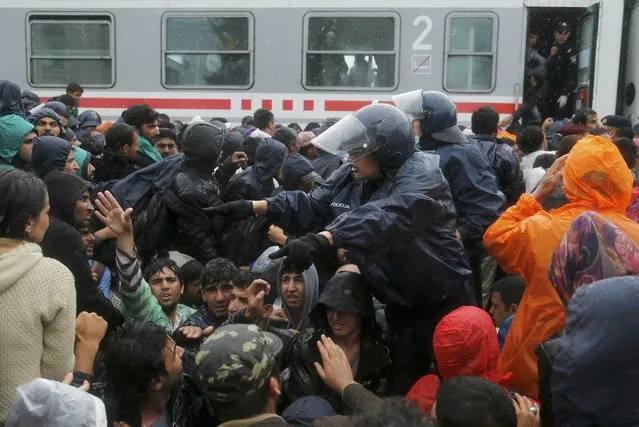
(390, 212)
(561, 70)
(476, 195)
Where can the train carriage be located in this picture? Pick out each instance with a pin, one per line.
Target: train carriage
(304, 59)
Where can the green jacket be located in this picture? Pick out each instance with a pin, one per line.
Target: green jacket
(13, 130)
(142, 306)
(146, 148)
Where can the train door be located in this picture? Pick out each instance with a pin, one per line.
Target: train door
(587, 48)
(629, 94)
(546, 24)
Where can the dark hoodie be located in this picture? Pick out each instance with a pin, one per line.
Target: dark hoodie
(174, 218)
(45, 112)
(344, 292)
(245, 240)
(49, 153)
(10, 99)
(595, 376)
(63, 242)
(29, 100)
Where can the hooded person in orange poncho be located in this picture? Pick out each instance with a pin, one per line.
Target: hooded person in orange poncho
(523, 240)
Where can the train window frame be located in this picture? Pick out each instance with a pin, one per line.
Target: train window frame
(70, 17)
(350, 14)
(492, 54)
(200, 14)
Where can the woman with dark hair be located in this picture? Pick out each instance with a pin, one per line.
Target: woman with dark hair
(37, 294)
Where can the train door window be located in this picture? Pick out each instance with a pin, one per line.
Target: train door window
(358, 52)
(208, 51)
(471, 46)
(64, 48)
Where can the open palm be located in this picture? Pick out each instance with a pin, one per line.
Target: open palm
(112, 215)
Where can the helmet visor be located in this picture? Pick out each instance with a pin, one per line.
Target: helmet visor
(348, 138)
(410, 103)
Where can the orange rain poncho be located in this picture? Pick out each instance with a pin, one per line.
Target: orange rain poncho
(523, 239)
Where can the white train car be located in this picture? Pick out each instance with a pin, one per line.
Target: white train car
(303, 59)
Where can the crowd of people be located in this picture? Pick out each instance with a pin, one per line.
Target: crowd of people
(387, 268)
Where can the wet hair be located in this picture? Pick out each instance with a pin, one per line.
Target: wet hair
(74, 87)
(218, 270)
(244, 279)
(484, 120)
(565, 145)
(396, 412)
(22, 196)
(581, 116)
(68, 100)
(544, 161)
(628, 150)
(133, 360)
(530, 139)
(474, 402)
(289, 267)
(312, 125)
(286, 136)
(262, 118)
(511, 289)
(160, 264)
(167, 133)
(139, 115)
(297, 128)
(119, 135)
(191, 271)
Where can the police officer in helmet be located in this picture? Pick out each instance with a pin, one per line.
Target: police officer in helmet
(390, 212)
(476, 195)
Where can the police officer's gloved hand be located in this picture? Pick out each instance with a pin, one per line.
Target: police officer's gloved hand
(301, 252)
(233, 211)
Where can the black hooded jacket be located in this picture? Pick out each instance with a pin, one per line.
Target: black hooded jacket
(10, 99)
(63, 242)
(345, 292)
(505, 163)
(174, 217)
(49, 153)
(112, 166)
(245, 240)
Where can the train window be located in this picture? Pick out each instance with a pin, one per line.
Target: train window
(208, 51)
(471, 45)
(64, 48)
(358, 52)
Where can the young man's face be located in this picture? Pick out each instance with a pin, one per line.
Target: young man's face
(239, 299)
(217, 297)
(150, 131)
(89, 242)
(498, 309)
(75, 95)
(166, 288)
(71, 166)
(343, 324)
(47, 126)
(130, 151)
(166, 146)
(82, 208)
(592, 121)
(26, 148)
(292, 287)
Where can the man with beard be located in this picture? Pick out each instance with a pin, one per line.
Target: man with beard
(145, 120)
(69, 198)
(46, 122)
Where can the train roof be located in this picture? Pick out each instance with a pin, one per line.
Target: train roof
(306, 4)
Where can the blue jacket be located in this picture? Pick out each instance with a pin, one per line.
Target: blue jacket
(49, 153)
(478, 200)
(400, 230)
(595, 376)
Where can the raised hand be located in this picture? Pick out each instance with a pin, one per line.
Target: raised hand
(112, 215)
(335, 369)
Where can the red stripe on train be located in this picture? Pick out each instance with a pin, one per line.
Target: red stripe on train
(462, 107)
(225, 104)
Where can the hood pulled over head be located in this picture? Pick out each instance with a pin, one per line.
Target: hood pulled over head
(269, 157)
(10, 99)
(202, 144)
(65, 190)
(49, 153)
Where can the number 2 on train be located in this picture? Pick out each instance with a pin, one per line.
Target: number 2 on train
(418, 44)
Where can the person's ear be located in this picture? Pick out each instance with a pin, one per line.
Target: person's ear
(157, 384)
(274, 388)
(268, 310)
(513, 308)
